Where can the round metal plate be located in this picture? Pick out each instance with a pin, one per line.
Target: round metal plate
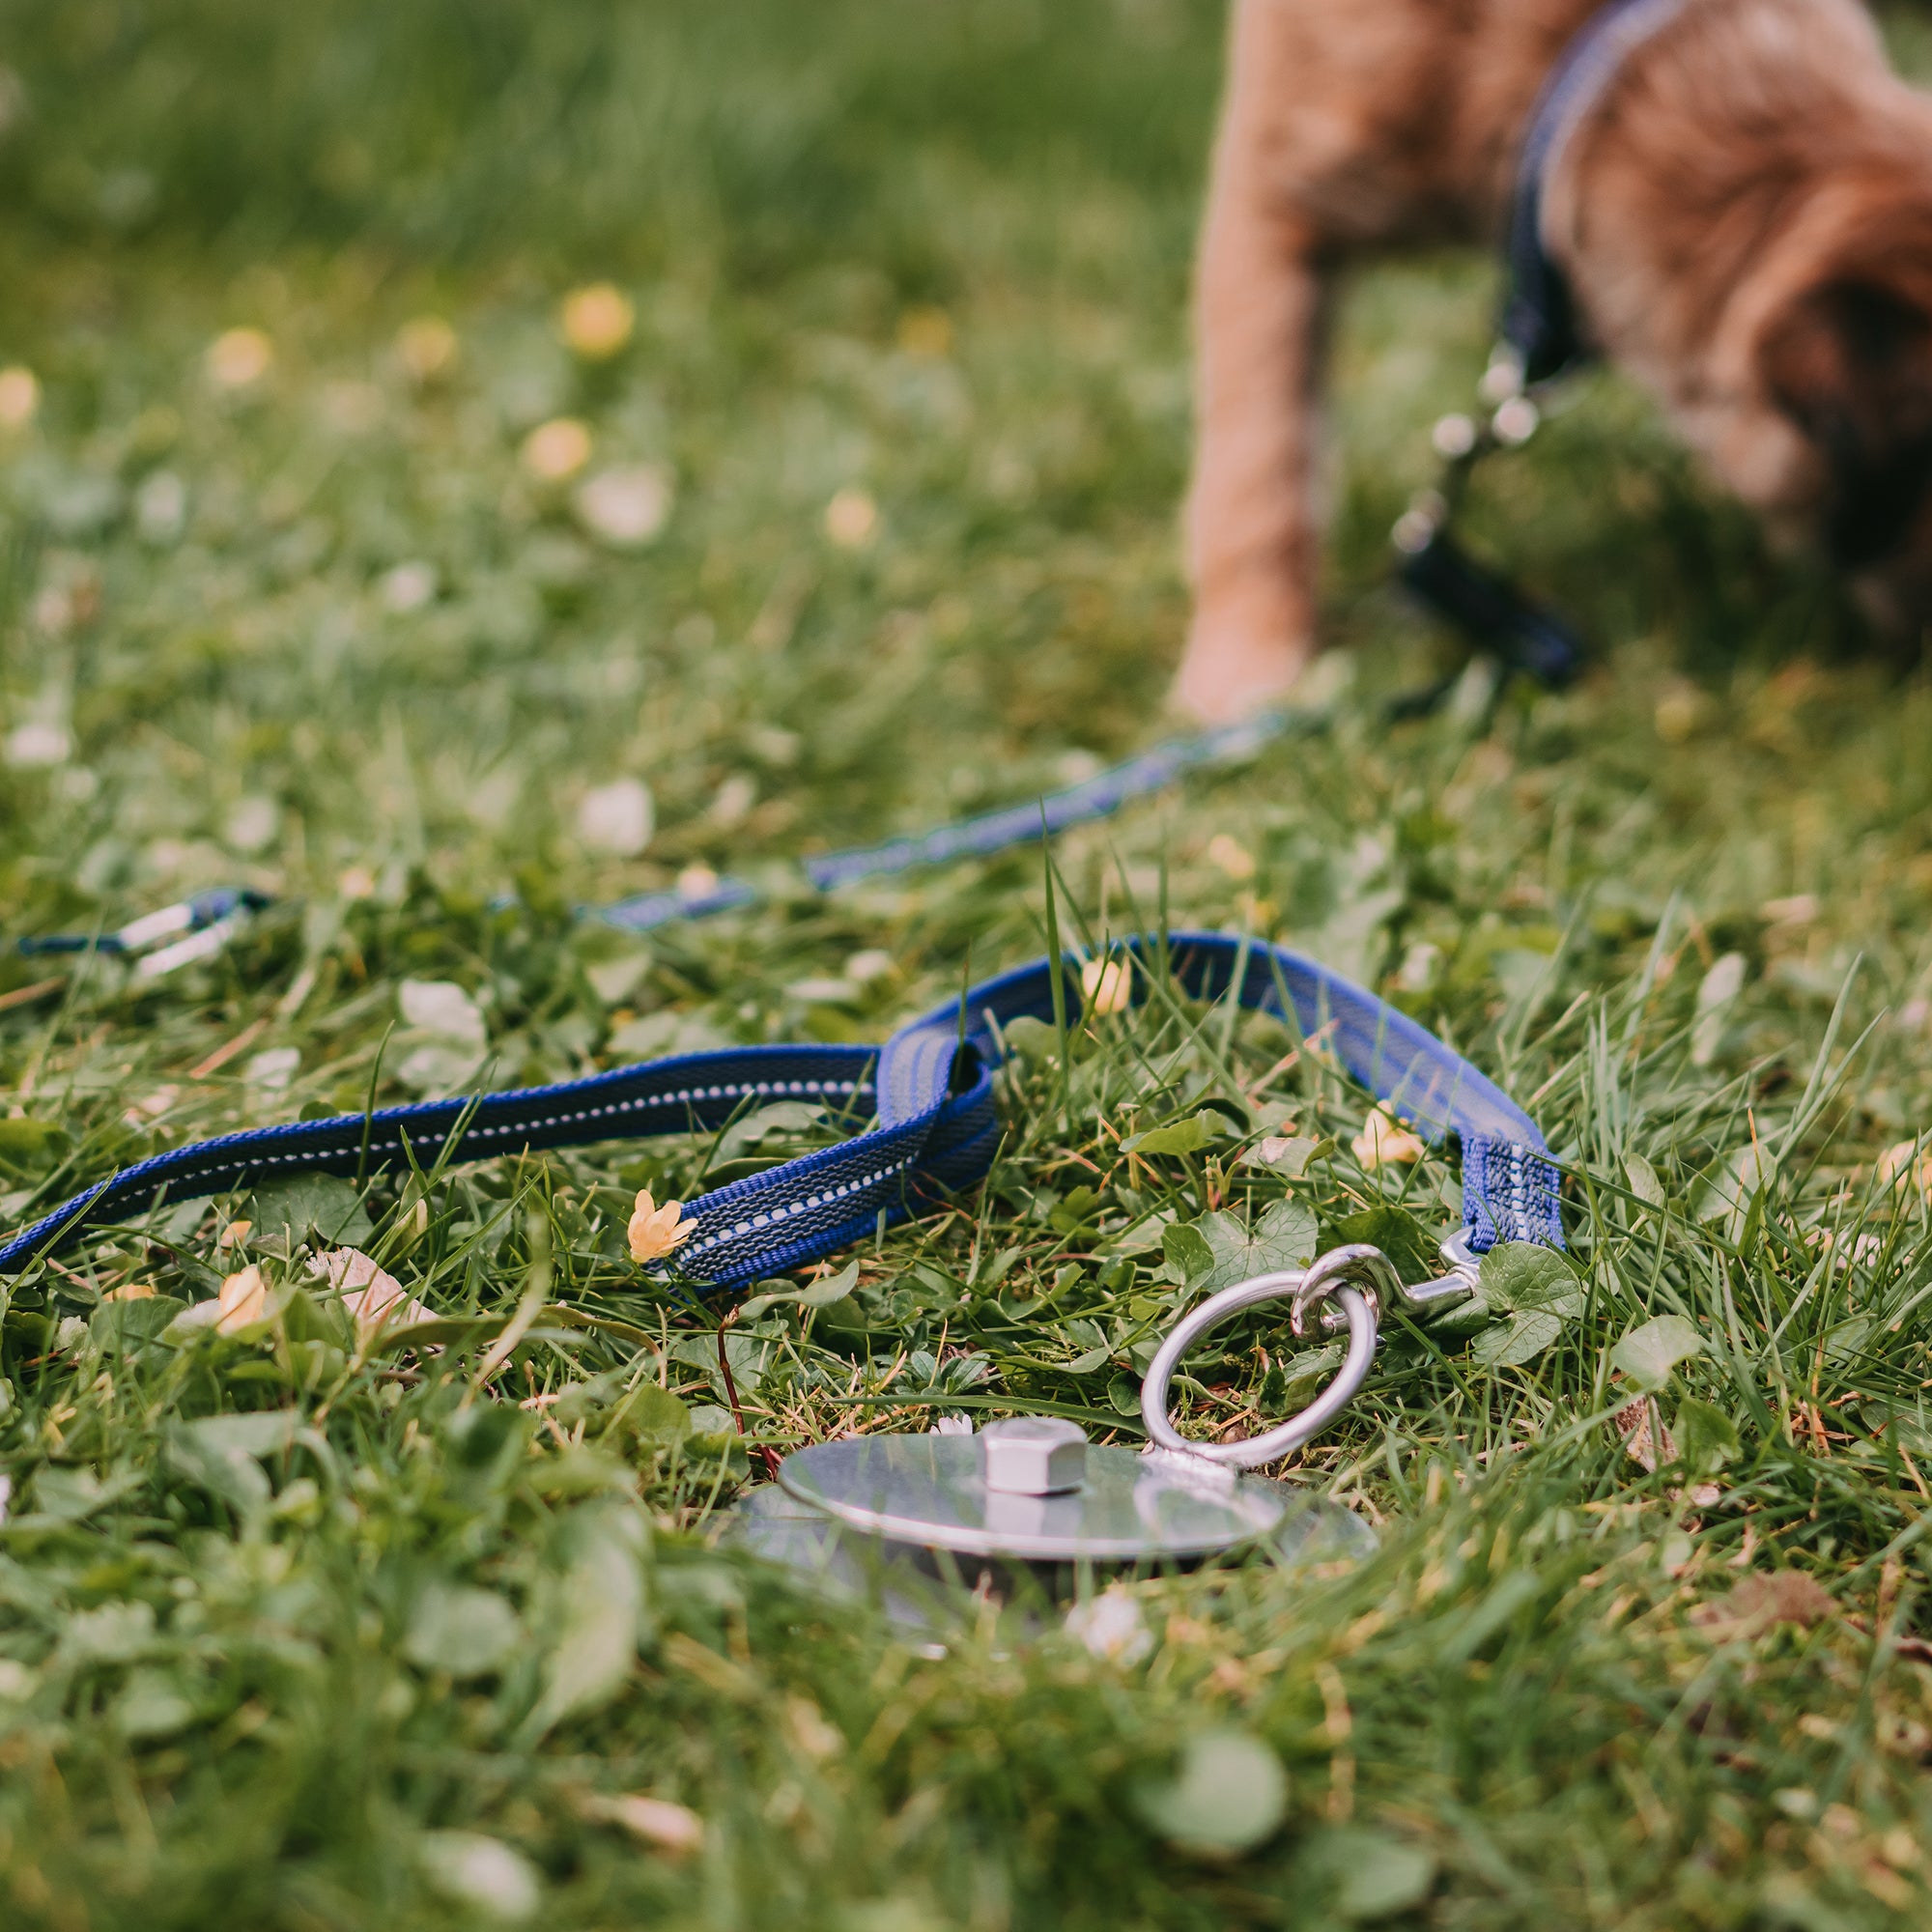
(926, 1490)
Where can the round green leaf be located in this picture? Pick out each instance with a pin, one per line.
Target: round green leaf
(461, 1632)
(1520, 1339)
(1381, 1874)
(1227, 1794)
(1648, 1355)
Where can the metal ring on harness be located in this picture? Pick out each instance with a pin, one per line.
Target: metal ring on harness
(1357, 1278)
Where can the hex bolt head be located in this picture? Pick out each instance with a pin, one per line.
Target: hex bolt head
(1033, 1456)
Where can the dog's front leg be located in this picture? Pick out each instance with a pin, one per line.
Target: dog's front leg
(1253, 535)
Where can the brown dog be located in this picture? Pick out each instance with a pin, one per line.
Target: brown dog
(1744, 219)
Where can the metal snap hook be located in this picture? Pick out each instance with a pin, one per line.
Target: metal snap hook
(1355, 1277)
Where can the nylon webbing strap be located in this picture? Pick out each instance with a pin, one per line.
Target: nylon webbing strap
(931, 1088)
(1539, 319)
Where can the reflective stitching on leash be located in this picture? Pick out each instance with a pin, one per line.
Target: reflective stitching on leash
(929, 1139)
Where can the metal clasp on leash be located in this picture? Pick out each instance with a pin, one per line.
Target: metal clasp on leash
(1350, 1286)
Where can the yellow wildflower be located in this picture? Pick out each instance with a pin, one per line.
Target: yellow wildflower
(1231, 856)
(655, 1231)
(244, 1300)
(19, 396)
(555, 451)
(427, 348)
(926, 333)
(1106, 986)
(1385, 1141)
(597, 321)
(1908, 1160)
(852, 518)
(239, 358)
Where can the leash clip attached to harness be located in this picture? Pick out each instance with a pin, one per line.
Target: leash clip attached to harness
(1540, 338)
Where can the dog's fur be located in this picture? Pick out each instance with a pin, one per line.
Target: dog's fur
(1746, 220)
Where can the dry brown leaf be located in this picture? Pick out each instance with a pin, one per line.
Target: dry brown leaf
(1761, 1600)
(375, 1299)
(244, 1300)
(1647, 1442)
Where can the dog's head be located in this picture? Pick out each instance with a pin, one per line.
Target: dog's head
(1846, 360)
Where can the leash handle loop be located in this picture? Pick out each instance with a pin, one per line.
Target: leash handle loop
(934, 1096)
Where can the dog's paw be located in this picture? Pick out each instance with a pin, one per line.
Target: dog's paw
(1234, 666)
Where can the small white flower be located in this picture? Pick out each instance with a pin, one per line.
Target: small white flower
(1110, 1627)
(734, 801)
(409, 586)
(697, 882)
(626, 508)
(253, 823)
(53, 609)
(483, 1874)
(1417, 972)
(1231, 857)
(862, 969)
(161, 509)
(618, 818)
(39, 744)
(443, 1009)
(273, 1070)
(1385, 1141)
(352, 408)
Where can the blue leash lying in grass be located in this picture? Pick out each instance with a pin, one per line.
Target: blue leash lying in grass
(199, 927)
(931, 1086)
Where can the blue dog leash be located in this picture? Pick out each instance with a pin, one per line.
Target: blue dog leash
(982, 836)
(931, 1086)
(202, 926)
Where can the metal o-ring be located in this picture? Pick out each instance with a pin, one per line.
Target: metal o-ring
(1256, 1450)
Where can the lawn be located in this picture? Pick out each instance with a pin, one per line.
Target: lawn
(349, 559)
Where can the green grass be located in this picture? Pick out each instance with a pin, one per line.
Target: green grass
(328, 635)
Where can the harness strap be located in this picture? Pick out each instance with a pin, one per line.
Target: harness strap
(1538, 320)
(931, 1086)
